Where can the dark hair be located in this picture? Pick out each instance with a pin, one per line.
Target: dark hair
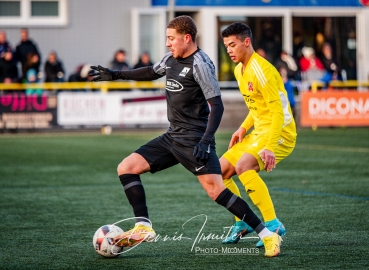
(184, 25)
(240, 30)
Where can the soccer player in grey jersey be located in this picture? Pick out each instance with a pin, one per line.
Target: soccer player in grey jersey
(190, 85)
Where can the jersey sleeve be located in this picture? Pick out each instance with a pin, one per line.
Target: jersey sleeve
(204, 75)
(248, 122)
(272, 99)
(160, 67)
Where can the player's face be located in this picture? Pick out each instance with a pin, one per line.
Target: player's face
(177, 43)
(236, 48)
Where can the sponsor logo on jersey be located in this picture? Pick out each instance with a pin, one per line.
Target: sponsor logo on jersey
(184, 71)
(249, 191)
(173, 85)
(250, 87)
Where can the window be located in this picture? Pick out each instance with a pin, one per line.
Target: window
(9, 8)
(30, 13)
(148, 34)
(44, 8)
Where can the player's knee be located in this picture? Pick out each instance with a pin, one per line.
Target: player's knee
(214, 191)
(242, 167)
(126, 167)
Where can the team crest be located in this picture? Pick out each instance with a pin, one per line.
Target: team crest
(251, 87)
(184, 71)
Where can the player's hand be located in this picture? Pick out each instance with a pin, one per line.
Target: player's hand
(268, 158)
(202, 152)
(100, 74)
(237, 137)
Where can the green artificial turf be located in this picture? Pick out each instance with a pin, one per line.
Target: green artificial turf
(57, 189)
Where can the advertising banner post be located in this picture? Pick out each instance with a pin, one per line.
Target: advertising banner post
(334, 108)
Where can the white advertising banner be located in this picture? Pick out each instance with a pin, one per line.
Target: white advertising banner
(113, 108)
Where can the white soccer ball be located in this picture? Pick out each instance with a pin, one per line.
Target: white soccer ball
(103, 241)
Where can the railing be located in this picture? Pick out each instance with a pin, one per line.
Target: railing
(103, 86)
(350, 84)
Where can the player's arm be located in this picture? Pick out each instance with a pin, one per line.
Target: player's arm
(274, 104)
(215, 117)
(204, 75)
(202, 149)
(140, 74)
(241, 131)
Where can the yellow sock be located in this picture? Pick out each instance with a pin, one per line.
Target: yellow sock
(231, 185)
(258, 193)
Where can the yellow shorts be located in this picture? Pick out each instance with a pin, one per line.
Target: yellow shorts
(254, 143)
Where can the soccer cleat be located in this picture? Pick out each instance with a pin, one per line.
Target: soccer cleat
(140, 233)
(274, 226)
(272, 245)
(239, 229)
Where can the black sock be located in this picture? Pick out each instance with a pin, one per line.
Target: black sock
(240, 209)
(135, 193)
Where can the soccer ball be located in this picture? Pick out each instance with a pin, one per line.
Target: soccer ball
(103, 241)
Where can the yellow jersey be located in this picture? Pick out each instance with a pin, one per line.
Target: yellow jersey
(263, 90)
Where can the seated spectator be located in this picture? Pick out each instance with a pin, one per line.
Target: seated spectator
(81, 74)
(32, 62)
(144, 60)
(76, 75)
(288, 62)
(312, 68)
(333, 70)
(31, 77)
(119, 61)
(8, 68)
(53, 69)
(4, 44)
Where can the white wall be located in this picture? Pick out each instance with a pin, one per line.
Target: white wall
(96, 29)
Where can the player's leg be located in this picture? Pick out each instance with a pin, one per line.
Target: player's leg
(213, 185)
(239, 228)
(247, 169)
(152, 157)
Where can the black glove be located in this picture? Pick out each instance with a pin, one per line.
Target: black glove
(101, 74)
(202, 152)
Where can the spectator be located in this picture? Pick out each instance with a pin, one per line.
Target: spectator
(333, 70)
(312, 68)
(289, 64)
(53, 69)
(261, 52)
(4, 44)
(32, 63)
(24, 49)
(8, 68)
(289, 88)
(76, 75)
(119, 61)
(144, 61)
(81, 75)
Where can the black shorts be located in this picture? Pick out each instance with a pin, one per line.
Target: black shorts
(164, 152)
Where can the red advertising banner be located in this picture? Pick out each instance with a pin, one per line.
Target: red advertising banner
(21, 111)
(335, 108)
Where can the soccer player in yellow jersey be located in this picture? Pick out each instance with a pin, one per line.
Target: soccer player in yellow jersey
(273, 137)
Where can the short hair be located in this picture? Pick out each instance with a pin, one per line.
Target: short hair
(240, 30)
(184, 25)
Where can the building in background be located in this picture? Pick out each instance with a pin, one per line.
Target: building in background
(90, 31)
